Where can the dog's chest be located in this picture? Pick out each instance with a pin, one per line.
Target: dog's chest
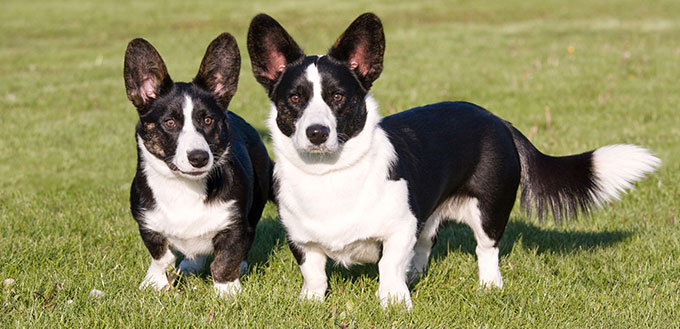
(342, 211)
(184, 218)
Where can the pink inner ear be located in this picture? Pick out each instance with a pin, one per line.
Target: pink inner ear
(219, 88)
(358, 60)
(147, 90)
(277, 63)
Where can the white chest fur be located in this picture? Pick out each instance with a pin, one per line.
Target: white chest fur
(181, 213)
(347, 211)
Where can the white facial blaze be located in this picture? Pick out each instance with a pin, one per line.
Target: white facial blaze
(190, 140)
(317, 112)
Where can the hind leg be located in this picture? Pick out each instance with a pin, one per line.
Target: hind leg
(487, 260)
(487, 221)
(423, 247)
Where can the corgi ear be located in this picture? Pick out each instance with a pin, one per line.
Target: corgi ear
(146, 77)
(271, 49)
(361, 47)
(220, 69)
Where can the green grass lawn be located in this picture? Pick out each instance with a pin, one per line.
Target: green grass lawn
(571, 75)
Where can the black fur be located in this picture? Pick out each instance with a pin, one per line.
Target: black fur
(539, 181)
(243, 174)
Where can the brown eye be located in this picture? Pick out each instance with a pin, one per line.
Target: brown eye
(337, 97)
(207, 121)
(294, 98)
(171, 123)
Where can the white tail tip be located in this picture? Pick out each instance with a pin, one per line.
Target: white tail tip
(617, 167)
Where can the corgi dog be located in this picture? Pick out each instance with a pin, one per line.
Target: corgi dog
(203, 174)
(358, 188)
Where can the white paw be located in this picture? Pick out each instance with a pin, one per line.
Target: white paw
(158, 282)
(491, 281)
(395, 295)
(313, 294)
(227, 289)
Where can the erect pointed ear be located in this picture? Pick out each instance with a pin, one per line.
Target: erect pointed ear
(220, 68)
(361, 47)
(271, 48)
(146, 77)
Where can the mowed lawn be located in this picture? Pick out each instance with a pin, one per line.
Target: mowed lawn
(571, 75)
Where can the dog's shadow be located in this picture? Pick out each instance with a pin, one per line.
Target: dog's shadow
(459, 237)
(453, 237)
(269, 236)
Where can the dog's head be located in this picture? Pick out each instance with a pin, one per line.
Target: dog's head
(319, 100)
(183, 128)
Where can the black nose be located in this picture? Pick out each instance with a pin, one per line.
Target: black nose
(317, 134)
(198, 158)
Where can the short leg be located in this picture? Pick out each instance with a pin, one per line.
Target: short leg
(423, 248)
(487, 260)
(231, 249)
(192, 266)
(161, 259)
(313, 268)
(396, 257)
(156, 276)
(487, 244)
(421, 256)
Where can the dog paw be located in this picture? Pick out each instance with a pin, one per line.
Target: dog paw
(157, 283)
(313, 294)
(491, 282)
(395, 295)
(227, 289)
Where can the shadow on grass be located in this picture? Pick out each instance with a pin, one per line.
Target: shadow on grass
(455, 237)
(269, 236)
(452, 237)
(459, 237)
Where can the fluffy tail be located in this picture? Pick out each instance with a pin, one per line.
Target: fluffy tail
(573, 184)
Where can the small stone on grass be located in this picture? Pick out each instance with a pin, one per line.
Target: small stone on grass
(96, 293)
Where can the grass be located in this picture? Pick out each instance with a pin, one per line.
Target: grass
(605, 72)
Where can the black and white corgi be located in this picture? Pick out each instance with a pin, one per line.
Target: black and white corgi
(357, 188)
(203, 174)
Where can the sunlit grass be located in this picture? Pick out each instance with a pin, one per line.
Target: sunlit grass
(572, 76)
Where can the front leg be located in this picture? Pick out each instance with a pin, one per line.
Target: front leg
(396, 257)
(231, 250)
(161, 259)
(312, 263)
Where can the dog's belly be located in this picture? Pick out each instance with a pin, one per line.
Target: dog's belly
(357, 252)
(192, 247)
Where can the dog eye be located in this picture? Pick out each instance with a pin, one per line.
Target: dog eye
(207, 121)
(294, 98)
(337, 97)
(171, 123)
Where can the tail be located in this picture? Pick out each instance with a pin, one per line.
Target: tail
(573, 184)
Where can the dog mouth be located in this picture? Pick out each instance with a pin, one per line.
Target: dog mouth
(194, 173)
(319, 150)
